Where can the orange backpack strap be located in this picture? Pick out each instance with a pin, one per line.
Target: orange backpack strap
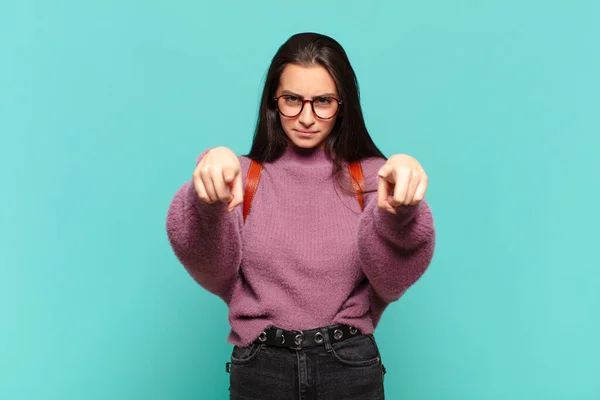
(356, 173)
(358, 182)
(251, 185)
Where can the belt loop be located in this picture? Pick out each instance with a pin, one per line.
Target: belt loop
(325, 332)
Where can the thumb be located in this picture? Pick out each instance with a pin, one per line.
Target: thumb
(237, 192)
(228, 175)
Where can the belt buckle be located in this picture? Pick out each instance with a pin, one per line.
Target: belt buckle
(298, 340)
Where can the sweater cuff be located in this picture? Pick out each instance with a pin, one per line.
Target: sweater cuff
(216, 209)
(387, 222)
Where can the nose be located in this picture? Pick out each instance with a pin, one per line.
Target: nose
(307, 118)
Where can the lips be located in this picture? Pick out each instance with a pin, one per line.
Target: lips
(306, 133)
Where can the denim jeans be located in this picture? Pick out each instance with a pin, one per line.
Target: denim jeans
(348, 370)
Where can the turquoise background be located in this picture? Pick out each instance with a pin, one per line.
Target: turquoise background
(105, 105)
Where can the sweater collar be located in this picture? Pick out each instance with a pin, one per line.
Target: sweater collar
(306, 157)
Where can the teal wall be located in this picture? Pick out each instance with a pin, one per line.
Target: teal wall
(105, 105)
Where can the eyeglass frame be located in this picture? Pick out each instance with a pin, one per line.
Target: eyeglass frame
(312, 105)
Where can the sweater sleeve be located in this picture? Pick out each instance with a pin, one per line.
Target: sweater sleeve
(395, 250)
(205, 238)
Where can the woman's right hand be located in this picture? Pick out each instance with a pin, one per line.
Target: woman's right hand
(218, 177)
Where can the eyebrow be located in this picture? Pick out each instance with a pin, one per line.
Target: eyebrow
(314, 97)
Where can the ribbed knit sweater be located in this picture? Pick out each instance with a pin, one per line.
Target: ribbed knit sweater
(306, 256)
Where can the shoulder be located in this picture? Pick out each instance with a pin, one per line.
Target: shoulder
(244, 165)
(372, 164)
(370, 167)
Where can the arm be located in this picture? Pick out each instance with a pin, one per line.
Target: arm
(206, 238)
(395, 250)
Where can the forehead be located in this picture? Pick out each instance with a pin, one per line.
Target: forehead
(307, 81)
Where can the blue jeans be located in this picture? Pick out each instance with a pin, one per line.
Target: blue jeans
(348, 370)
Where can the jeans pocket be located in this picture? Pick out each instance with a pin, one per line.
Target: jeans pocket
(243, 355)
(360, 351)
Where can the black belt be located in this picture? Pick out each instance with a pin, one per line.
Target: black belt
(305, 338)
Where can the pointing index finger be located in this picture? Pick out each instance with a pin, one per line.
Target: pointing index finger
(237, 192)
(383, 193)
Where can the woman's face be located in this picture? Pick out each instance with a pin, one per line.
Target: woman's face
(298, 83)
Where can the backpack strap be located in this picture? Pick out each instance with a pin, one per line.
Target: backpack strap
(251, 185)
(253, 177)
(358, 182)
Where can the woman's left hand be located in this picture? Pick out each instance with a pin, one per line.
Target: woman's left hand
(402, 181)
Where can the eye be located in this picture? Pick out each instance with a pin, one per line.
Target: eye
(292, 99)
(323, 101)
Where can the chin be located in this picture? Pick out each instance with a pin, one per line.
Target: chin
(312, 143)
(306, 144)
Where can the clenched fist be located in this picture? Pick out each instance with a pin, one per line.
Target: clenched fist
(218, 177)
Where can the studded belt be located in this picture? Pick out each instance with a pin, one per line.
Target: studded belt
(305, 338)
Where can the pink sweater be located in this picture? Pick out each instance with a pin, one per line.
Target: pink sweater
(306, 256)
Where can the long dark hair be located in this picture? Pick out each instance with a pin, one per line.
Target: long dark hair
(349, 139)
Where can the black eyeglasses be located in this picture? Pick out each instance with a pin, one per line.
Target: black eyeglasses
(290, 106)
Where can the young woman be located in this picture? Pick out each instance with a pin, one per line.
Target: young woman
(327, 234)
